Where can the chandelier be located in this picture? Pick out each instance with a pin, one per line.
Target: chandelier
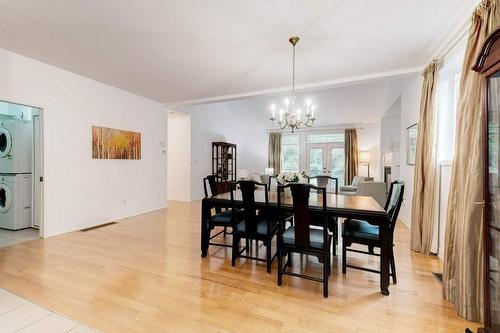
(290, 115)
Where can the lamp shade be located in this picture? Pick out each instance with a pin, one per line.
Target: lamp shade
(365, 157)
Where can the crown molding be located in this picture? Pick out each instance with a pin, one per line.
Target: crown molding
(351, 80)
(463, 26)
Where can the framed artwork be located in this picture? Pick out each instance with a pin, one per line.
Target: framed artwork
(411, 144)
(112, 143)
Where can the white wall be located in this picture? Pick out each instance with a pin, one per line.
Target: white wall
(368, 140)
(179, 157)
(401, 110)
(79, 191)
(390, 137)
(245, 122)
(409, 90)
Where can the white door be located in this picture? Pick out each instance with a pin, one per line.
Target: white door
(326, 159)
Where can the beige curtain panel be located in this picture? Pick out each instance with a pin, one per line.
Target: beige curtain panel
(351, 154)
(274, 152)
(463, 264)
(424, 174)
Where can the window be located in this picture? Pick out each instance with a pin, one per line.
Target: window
(314, 153)
(290, 153)
(326, 138)
(447, 102)
(338, 165)
(326, 155)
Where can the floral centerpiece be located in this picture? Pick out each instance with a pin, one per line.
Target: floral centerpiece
(290, 177)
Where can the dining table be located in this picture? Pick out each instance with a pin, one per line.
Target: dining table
(358, 207)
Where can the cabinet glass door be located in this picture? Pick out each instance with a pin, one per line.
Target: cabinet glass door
(494, 200)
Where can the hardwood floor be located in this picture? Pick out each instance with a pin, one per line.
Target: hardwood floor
(145, 274)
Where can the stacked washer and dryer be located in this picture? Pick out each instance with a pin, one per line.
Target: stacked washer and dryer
(16, 142)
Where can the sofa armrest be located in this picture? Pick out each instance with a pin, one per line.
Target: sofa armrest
(376, 190)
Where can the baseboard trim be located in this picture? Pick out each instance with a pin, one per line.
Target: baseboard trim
(94, 223)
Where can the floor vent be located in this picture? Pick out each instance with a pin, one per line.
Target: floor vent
(99, 226)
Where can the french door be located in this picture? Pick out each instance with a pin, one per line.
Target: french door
(326, 159)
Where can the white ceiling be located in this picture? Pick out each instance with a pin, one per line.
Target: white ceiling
(182, 50)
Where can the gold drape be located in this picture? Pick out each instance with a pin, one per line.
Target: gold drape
(463, 264)
(424, 174)
(351, 154)
(274, 152)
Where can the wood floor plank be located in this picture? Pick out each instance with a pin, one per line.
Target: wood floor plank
(145, 274)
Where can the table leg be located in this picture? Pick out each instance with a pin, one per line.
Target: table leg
(205, 209)
(384, 257)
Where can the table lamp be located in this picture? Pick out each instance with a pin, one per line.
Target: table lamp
(365, 158)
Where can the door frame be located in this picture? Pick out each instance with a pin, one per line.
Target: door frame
(41, 229)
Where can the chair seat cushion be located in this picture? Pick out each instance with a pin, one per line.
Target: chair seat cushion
(361, 229)
(315, 237)
(223, 217)
(261, 225)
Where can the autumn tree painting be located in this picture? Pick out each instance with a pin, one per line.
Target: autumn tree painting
(111, 143)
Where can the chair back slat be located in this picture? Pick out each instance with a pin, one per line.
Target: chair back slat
(300, 196)
(394, 202)
(247, 189)
(301, 212)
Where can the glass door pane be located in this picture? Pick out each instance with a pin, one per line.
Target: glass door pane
(337, 159)
(316, 161)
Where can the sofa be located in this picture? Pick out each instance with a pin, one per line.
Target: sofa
(354, 186)
(366, 186)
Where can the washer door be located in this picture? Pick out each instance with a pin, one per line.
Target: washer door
(5, 142)
(5, 198)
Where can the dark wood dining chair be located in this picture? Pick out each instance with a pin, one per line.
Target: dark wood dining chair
(251, 225)
(324, 181)
(299, 237)
(328, 183)
(221, 218)
(362, 232)
(273, 181)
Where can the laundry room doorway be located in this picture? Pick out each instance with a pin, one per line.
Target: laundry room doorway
(21, 173)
